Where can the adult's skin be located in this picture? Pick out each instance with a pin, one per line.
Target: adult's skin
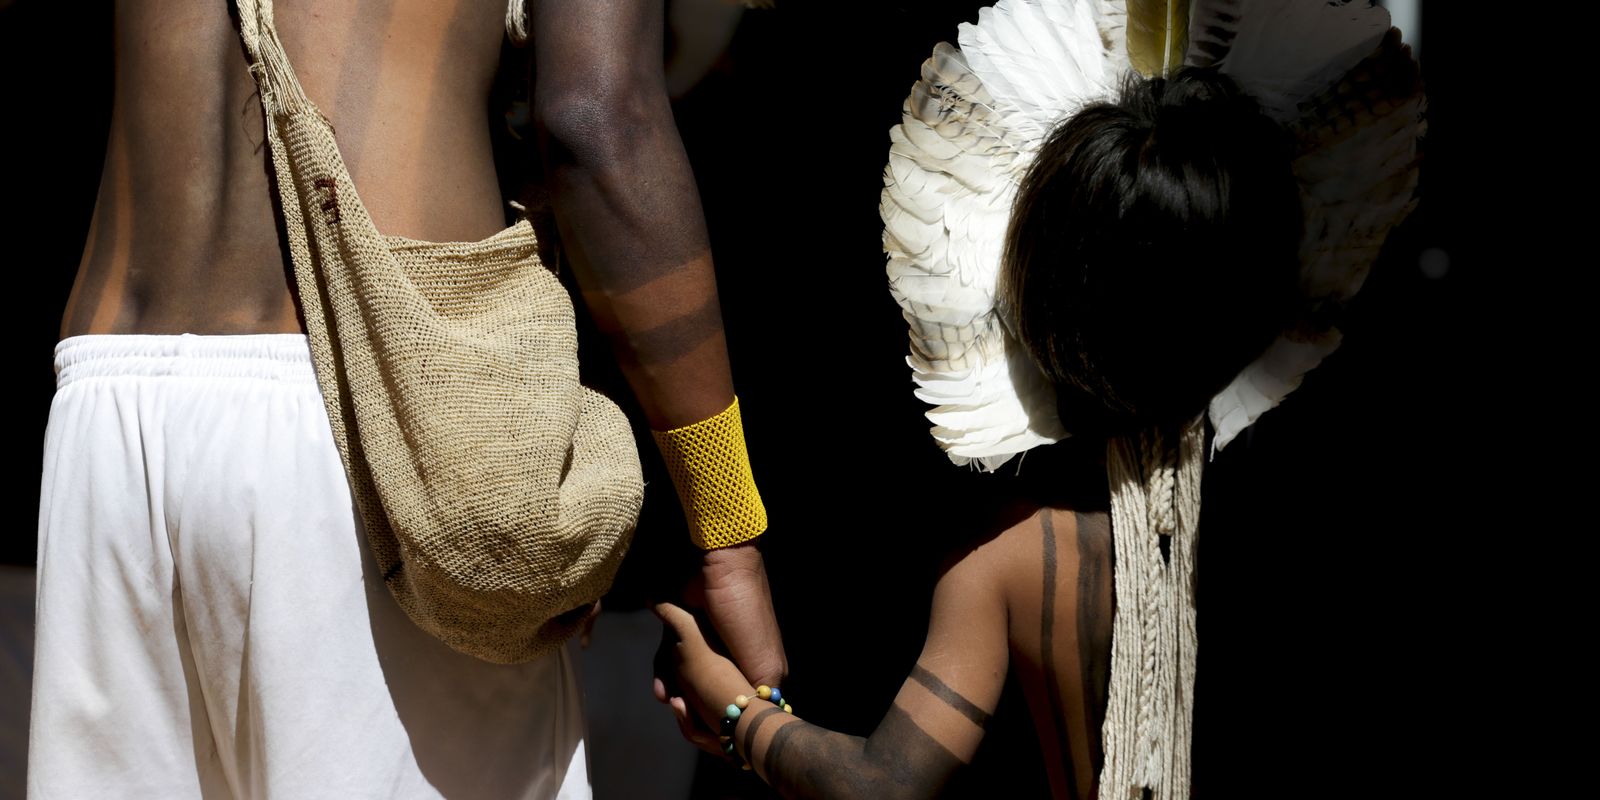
(184, 237)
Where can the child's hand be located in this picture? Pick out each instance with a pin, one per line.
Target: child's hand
(708, 680)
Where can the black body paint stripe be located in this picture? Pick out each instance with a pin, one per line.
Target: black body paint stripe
(1047, 623)
(951, 697)
(755, 724)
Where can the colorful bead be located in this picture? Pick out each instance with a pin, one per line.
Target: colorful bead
(788, 709)
(742, 701)
(729, 726)
(763, 692)
(776, 697)
(727, 748)
(731, 712)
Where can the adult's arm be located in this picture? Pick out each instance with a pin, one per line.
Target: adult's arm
(631, 224)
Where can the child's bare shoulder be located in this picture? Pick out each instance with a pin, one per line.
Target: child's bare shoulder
(1041, 556)
(1029, 533)
(1032, 544)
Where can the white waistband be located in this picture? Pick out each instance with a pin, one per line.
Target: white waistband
(269, 356)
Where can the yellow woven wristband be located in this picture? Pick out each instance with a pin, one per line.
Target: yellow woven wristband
(711, 470)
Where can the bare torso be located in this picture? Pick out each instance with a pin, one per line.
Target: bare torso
(184, 237)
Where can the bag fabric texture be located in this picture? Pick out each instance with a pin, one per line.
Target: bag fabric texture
(498, 493)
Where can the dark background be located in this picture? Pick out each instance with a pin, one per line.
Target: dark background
(1339, 595)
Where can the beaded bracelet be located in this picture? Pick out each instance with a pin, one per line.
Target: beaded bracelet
(731, 714)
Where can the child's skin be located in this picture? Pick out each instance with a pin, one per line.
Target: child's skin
(1038, 597)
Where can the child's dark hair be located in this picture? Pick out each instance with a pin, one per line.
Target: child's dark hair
(1153, 250)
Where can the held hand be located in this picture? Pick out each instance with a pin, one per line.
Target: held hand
(738, 602)
(706, 680)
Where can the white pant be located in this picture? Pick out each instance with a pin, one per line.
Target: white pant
(210, 622)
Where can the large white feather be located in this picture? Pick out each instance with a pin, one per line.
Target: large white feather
(1042, 60)
(970, 128)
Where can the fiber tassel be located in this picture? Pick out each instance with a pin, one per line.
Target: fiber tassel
(517, 21)
(1155, 493)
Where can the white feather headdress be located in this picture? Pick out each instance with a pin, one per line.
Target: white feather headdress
(1332, 74)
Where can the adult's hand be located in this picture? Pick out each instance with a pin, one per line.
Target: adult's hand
(738, 602)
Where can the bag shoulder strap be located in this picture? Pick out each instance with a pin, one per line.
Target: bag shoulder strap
(280, 89)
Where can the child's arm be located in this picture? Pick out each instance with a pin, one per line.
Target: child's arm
(932, 729)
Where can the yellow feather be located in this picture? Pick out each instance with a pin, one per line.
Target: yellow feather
(1158, 35)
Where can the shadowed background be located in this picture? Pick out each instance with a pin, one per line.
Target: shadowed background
(1322, 625)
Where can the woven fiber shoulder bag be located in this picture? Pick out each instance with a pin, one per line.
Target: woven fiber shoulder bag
(496, 491)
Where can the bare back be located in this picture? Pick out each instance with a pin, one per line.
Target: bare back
(185, 238)
(1058, 587)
